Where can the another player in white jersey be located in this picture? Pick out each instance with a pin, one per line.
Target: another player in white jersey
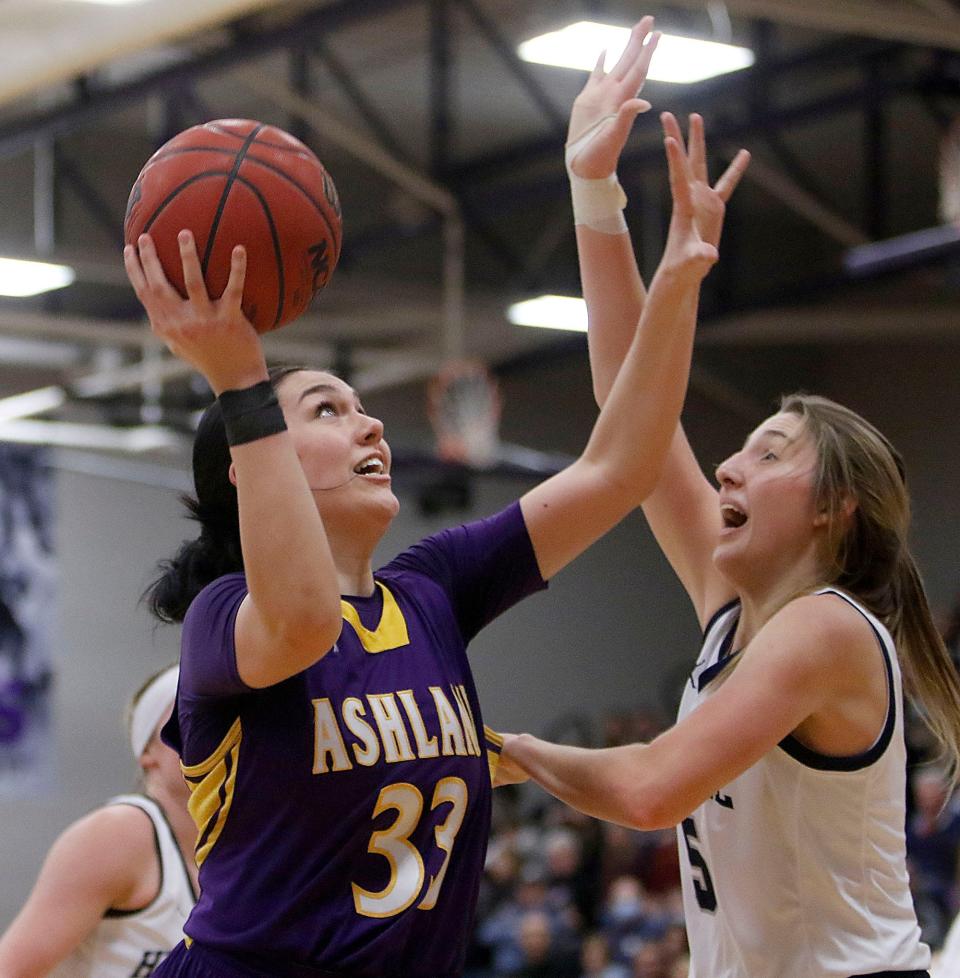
(785, 773)
(117, 885)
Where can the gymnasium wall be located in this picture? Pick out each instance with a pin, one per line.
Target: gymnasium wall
(613, 630)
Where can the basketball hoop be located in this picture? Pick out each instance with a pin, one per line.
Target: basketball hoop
(463, 404)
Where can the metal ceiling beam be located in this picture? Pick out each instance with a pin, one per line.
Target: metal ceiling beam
(940, 8)
(19, 135)
(363, 106)
(903, 23)
(835, 325)
(517, 67)
(417, 184)
(700, 98)
(875, 154)
(440, 86)
(802, 203)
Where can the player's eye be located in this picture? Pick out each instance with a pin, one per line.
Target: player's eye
(325, 409)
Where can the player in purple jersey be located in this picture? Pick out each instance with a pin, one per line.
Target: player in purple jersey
(327, 720)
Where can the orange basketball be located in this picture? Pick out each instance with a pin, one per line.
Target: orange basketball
(234, 181)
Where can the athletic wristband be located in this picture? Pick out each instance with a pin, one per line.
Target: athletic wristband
(597, 204)
(251, 413)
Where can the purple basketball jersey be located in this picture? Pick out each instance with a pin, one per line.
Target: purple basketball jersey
(343, 814)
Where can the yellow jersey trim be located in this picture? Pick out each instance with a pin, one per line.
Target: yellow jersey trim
(390, 633)
(494, 743)
(212, 784)
(492, 736)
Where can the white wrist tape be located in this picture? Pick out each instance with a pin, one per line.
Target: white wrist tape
(597, 204)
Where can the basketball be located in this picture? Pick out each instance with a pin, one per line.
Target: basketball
(235, 181)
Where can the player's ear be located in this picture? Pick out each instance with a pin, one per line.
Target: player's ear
(847, 509)
(232, 475)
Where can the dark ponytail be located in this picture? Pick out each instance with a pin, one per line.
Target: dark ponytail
(217, 551)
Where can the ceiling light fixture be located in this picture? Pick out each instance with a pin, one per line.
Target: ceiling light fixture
(22, 278)
(550, 312)
(65, 434)
(40, 401)
(682, 60)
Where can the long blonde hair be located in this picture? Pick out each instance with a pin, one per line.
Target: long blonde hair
(870, 555)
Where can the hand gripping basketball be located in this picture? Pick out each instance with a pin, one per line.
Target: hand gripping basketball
(237, 182)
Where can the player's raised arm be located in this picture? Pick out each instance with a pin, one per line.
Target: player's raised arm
(600, 123)
(683, 510)
(622, 460)
(291, 615)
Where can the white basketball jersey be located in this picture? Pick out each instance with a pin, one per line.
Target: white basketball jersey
(797, 868)
(131, 944)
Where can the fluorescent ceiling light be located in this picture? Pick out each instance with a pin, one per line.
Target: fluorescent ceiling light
(678, 59)
(38, 401)
(38, 353)
(22, 278)
(550, 312)
(143, 438)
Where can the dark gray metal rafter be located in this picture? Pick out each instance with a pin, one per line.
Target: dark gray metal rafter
(363, 106)
(441, 89)
(519, 70)
(721, 92)
(96, 100)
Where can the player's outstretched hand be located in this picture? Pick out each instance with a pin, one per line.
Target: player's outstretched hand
(709, 203)
(212, 335)
(508, 770)
(604, 111)
(686, 253)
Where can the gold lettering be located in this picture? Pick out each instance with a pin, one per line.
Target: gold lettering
(327, 739)
(393, 732)
(369, 753)
(466, 718)
(425, 747)
(451, 733)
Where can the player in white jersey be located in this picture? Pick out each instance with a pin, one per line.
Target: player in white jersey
(117, 885)
(785, 772)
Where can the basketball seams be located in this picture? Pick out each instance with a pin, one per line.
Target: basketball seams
(305, 153)
(318, 206)
(196, 178)
(275, 238)
(162, 154)
(215, 224)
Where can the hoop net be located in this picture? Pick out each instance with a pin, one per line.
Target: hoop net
(463, 403)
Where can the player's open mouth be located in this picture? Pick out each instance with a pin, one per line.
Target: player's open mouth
(372, 465)
(732, 517)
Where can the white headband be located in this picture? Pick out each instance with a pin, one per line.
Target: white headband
(154, 702)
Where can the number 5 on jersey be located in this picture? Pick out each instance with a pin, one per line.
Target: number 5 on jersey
(406, 863)
(703, 887)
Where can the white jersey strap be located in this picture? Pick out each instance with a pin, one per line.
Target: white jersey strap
(854, 762)
(164, 841)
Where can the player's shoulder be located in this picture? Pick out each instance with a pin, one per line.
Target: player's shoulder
(829, 628)
(118, 825)
(105, 853)
(827, 613)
